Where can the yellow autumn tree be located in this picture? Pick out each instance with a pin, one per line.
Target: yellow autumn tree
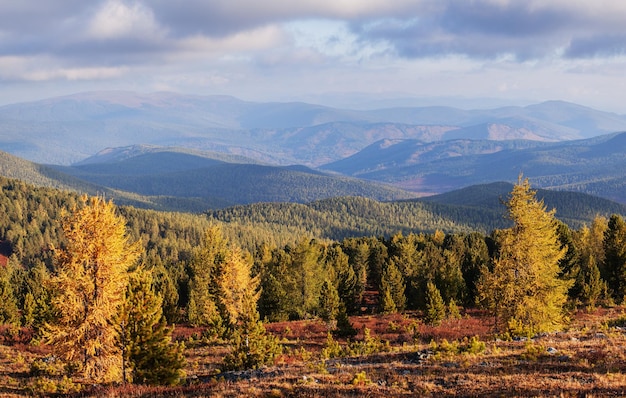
(90, 279)
(220, 279)
(235, 283)
(523, 290)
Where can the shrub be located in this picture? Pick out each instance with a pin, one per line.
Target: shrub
(532, 351)
(361, 378)
(473, 345)
(332, 348)
(369, 345)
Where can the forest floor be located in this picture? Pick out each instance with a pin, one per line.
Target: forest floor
(405, 358)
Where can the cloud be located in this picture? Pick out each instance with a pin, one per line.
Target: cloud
(118, 30)
(115, 20)
(494, 28)
(597, 46)
(224, 17)
(271, 46)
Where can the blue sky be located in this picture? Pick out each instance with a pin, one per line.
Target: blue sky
(339, 52)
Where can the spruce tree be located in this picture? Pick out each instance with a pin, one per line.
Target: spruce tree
(393, 281)
(329, 303)
(615, 257)
(523, 291)
(91, 275)
(435, 307)
(149, 355)
(9, 311)
(592, 287)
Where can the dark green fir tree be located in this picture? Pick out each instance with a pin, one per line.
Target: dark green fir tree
(150, 356)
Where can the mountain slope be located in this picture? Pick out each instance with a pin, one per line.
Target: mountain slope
(476, 208)
(595, 166)
(573, 208)
(178, 174)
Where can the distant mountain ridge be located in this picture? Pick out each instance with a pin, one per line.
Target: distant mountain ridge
(68, 129)
(177, 179)
(595, 166)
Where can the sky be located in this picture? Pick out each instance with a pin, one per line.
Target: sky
(347, 53)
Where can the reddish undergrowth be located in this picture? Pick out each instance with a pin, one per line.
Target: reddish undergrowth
(588, 359)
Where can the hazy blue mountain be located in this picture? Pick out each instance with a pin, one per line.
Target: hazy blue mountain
(595, 166)
(68, 129)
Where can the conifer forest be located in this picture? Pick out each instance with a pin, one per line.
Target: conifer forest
(99, 299)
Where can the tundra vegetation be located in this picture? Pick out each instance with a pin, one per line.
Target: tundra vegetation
(103, 300)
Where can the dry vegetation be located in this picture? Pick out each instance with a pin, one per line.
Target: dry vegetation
(407, 358)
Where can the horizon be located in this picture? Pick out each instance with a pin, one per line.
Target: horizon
(336, 53)
(347, 101)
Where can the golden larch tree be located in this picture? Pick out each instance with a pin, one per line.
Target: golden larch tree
(90, 279)
(523, 290)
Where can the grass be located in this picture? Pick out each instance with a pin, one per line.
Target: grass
(404, 358)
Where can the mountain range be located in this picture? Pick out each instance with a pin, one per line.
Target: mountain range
(66, 130)
(595, 165)
(193, 153)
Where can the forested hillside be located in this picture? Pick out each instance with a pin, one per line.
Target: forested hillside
(190, 181)
(477, 208)
(32, 216)
(221, 184)
(224, 277)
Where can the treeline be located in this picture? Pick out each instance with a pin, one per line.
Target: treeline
(292, 265)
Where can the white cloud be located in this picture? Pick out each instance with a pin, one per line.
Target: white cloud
(116, 19)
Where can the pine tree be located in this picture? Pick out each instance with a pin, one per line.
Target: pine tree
(9, 311)
(615, 257)
(329, 303)
(435, 307)
(475, 262)
(386, 304)
(393, 281)
(592, 287)
(344, 326)
(589, 287)
(145, 339)
(523, 291)
(89, 285)
(37, 286)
